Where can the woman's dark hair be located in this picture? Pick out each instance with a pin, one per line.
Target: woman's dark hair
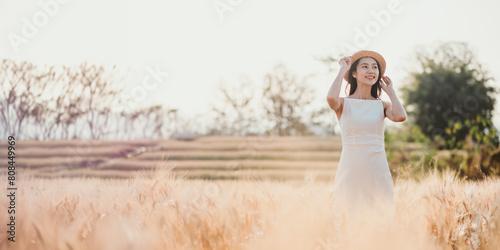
(376, 90)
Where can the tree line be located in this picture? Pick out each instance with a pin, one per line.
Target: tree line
(76, 102)
(448, 94)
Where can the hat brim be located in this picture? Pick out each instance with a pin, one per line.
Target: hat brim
(367, 53)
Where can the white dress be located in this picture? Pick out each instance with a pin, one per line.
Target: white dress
(363, 176)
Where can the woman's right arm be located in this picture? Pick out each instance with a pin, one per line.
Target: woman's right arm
(333, 96)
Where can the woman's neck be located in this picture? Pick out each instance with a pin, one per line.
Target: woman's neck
(363, 92)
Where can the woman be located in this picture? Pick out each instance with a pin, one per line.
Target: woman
(363, 176)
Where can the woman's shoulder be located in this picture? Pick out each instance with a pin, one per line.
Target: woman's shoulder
(341, 99)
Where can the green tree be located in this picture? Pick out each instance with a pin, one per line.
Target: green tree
(449, 96)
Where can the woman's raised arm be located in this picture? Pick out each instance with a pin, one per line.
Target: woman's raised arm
(332, 97)
(394, 110)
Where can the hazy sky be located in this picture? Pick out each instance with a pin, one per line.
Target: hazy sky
(195, 44)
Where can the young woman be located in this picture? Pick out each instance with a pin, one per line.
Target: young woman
(363, 176)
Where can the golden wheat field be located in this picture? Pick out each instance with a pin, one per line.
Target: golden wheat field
(159, 210)
(168, 208)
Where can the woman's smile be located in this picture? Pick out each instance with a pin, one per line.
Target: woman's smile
(367, 71)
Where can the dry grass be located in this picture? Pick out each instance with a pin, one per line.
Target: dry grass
(157, 210)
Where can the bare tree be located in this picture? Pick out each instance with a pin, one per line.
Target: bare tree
(56, 115)
(172, 116)
(99, 93)
(286, 100)
(67, 102)
(234, 112)
(23, 86)
(154, 117)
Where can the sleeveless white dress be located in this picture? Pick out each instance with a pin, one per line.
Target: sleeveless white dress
(363, 177)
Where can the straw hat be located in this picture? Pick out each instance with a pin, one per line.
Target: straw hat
(368, 53)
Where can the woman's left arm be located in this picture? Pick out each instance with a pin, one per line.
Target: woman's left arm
(395, 111)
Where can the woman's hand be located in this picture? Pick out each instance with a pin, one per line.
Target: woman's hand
(345, 62)
(386, 84)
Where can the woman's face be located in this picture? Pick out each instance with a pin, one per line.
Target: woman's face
(367, 71)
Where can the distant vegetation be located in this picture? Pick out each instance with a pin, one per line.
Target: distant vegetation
(448, 95)
(86, 102)
(450, 98)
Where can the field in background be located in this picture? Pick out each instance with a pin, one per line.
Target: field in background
(251, 157)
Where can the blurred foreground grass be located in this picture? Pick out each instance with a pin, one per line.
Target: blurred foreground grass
(164, 210)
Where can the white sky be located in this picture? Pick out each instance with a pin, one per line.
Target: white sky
(189, 40)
